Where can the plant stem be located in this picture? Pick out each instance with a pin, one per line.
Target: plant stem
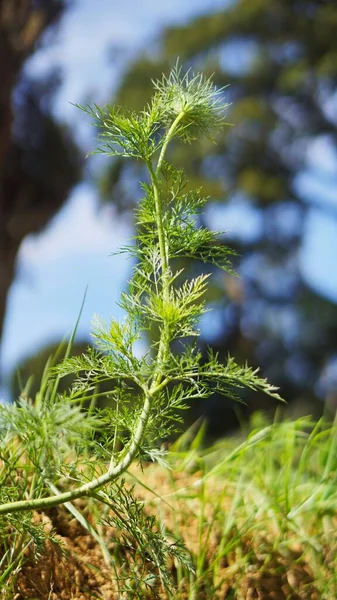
(88, 488)
(130, 451)
(170, 133)
(163, 349)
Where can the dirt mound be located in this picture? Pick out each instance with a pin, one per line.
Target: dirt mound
(74, 568)
(71, 569)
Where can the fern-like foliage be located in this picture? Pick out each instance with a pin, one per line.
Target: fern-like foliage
(50, 446)
(160, 299)
(147, 549)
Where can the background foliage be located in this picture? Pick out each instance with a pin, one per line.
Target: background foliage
(279, 58)
(39, 163)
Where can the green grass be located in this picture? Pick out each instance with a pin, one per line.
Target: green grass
(257, 515)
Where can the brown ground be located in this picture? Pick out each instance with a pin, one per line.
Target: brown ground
(77, 570)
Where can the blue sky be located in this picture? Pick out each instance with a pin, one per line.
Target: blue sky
(74, 251)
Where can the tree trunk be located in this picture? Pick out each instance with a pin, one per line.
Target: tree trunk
(39, 164)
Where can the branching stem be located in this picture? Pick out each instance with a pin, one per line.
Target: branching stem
(88, 488)
(196, 102)
(127, 456)
(163, 244)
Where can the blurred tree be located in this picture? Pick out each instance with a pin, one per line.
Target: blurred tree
(38, 161)
(280, 58)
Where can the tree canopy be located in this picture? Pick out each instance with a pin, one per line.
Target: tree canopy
(39, 163)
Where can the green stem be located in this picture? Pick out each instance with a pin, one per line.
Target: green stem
(164, 255)
(88, 488)
(170, 134)
(115, 470)
(163, 349)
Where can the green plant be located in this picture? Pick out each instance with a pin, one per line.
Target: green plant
(49, 447)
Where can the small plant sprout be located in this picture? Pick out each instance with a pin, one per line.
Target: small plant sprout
(147, 393)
